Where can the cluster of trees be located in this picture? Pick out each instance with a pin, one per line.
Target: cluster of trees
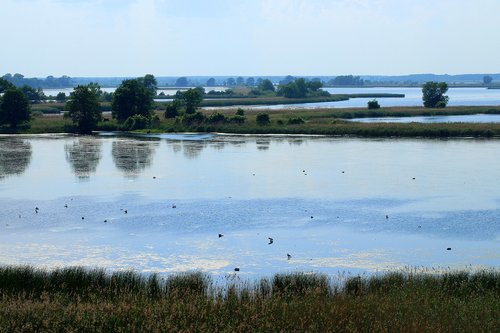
(346, 80)
(300, 88)
(19, 80)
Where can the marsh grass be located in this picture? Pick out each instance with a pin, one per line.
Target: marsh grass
(304, 121)
(77, 299)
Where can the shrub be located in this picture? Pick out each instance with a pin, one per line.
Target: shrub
(216, 118)
(373, 104)
(240, 112)
(295, 121)
(238, 119)
(172, 110)
(193, 118)
(136, 121)
(262, 119)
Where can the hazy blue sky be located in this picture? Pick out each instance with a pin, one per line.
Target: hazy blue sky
(248, 37)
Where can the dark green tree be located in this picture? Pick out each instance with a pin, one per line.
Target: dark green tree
(231, 82)
(149, 81)
(14, 108)
(33, 95)
(373, 104)
(83, 106)
(250, 81)
(433, 94)
(4, 85)
(61, 97)
(190, 99)
(266, 85)
(240, 81)
(131, 98)
(262, 119)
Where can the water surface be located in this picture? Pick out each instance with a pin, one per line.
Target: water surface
(357, 205)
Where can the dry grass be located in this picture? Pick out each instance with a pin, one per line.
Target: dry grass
(127, 302)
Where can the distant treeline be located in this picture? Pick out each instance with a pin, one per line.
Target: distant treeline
(49, 82)
(254, 81)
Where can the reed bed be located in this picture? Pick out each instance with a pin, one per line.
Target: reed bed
(78, 299)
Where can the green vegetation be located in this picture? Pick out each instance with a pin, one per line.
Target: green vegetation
(433, 94)
(325, 121)
(14, 108)
(83, 107)
(373, 105)
(133, 97)
(75, 299)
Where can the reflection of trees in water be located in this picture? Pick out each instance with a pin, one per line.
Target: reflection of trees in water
(295, 141)
(263, 144)
(84, 155)
(193, 149)
(133, 156)
(15, 156)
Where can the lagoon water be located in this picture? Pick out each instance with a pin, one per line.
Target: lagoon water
(469, 118)
(323, 200)
(413, 97)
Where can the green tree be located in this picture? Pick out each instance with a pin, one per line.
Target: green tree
(250, 81)
(15, 108)
(149, 81)
(373, 104)
(131, 98)
(433, 94)
(190, 99)
(83, 106)
(4, 85)
(487, 79)
(33, 95)
(61, 97)
(262, 119)
(266, 85)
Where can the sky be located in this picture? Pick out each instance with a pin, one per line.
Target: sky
(248, 37)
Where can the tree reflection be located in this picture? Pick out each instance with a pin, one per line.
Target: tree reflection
(133, 156)
(193, 149)
(84, 155)
(263, 144)
(15, 156)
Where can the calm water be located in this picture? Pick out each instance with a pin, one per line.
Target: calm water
(470, 118)
(413, 97)
(322, 200)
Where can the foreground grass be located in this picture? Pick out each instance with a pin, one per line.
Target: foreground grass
(75, 299)
(313, 121)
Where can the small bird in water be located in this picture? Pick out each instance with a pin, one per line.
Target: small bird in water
(270, 240)
(221, 235)
(125, 211)
(237, 269)
(448, 248)
(65, 205)
(312, 217)
(105, 221)
(288, 256)
(83, 218)
(386, 217)
(174, 206)
(36, 210)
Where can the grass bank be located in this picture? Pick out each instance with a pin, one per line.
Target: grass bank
(323, 121)
(75, 299)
